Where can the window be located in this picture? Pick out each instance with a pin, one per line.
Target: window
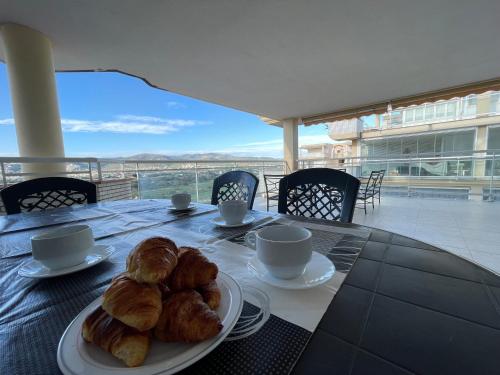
(495, 102)
(429, 112)
(469, 105)
(408, 115)
(419, 114)
(441, 110)
(451, 109)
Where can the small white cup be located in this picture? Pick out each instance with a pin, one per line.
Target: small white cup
(233, 212)
(284, 250)
(181, 201)
(63, 247)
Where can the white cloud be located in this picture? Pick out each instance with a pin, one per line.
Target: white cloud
(7, 121)
(128, 124)
(176, 105)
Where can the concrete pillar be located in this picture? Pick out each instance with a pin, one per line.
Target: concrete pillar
(30, 66)
(291, 143)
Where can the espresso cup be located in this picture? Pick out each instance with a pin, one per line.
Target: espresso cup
(63, 247)
(181, 201)
(233, 212)
(284, 250)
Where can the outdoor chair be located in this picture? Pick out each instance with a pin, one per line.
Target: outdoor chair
(46, 193)
(379, 184)
(235, 185)
(367, 192)
(272, 182)
(319, 193)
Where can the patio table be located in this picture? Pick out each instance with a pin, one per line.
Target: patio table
(395, 305)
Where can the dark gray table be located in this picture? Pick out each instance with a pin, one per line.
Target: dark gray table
(405, 307)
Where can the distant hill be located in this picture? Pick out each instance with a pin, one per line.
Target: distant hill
(201, 156)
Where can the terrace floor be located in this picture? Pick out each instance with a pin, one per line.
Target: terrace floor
(470, 229)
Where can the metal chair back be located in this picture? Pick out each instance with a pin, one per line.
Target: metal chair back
(319, 192)
(47, 193)
(235, 185)
(272, 184)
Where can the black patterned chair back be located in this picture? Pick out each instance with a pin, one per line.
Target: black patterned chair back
(235, 185)
(320, 193)
(47, 193)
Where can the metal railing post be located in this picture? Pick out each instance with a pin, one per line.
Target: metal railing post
(490, 198)
(90, 171)
(196, 181)
(409, 178)
(137, 179)
(99, 171)
(4, 177)
(458, 166)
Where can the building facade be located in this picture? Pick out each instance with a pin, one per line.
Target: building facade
(434, 143)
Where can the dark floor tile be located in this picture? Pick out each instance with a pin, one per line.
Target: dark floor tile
(374, 250)
(405, 241)
(439, 262)
(325, 354)
(429, 342)
(346, 315)
(365, 364)
(380, 236)
(465, 299)
(364, 274)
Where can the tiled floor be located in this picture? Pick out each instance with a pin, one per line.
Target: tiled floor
(470, 229)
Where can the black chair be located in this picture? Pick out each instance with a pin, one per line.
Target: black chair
(319, 192)
(379, 184)
(367, 192)
(272, 182)
(46, 193)
(235, 185)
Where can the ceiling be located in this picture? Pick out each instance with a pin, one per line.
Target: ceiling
(275, 58)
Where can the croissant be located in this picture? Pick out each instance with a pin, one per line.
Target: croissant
(185, 317)
(135, 304)
(124, 342)
(193, 270)
(211, 294)
(152, 260)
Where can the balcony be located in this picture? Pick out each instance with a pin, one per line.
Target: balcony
(457, 215)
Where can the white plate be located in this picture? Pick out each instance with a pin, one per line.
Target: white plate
(318, 271)
(189, 208)
(75, 356)
(34, 269)
(220, 222)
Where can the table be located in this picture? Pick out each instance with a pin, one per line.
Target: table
(396, 305)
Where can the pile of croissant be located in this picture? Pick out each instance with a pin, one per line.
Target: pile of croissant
(167, 292)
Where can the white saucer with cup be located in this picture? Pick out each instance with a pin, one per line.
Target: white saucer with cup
(284, 250)
(63, 250)
(285, 258)
(233, 213)
(181, 202)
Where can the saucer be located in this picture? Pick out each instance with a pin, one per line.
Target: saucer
(318, 271)
(220, 222)
(172, 208)
(34, 269)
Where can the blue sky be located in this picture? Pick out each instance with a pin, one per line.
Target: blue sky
(110, 114)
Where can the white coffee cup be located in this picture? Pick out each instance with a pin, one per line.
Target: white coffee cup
(233, 212)
(63, 247)
(181, 201)
(284, 250)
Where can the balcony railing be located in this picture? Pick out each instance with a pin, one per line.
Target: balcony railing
(149, 178)
(162, 178)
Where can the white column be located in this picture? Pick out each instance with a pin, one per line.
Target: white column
(30, 66)
(291, 143)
